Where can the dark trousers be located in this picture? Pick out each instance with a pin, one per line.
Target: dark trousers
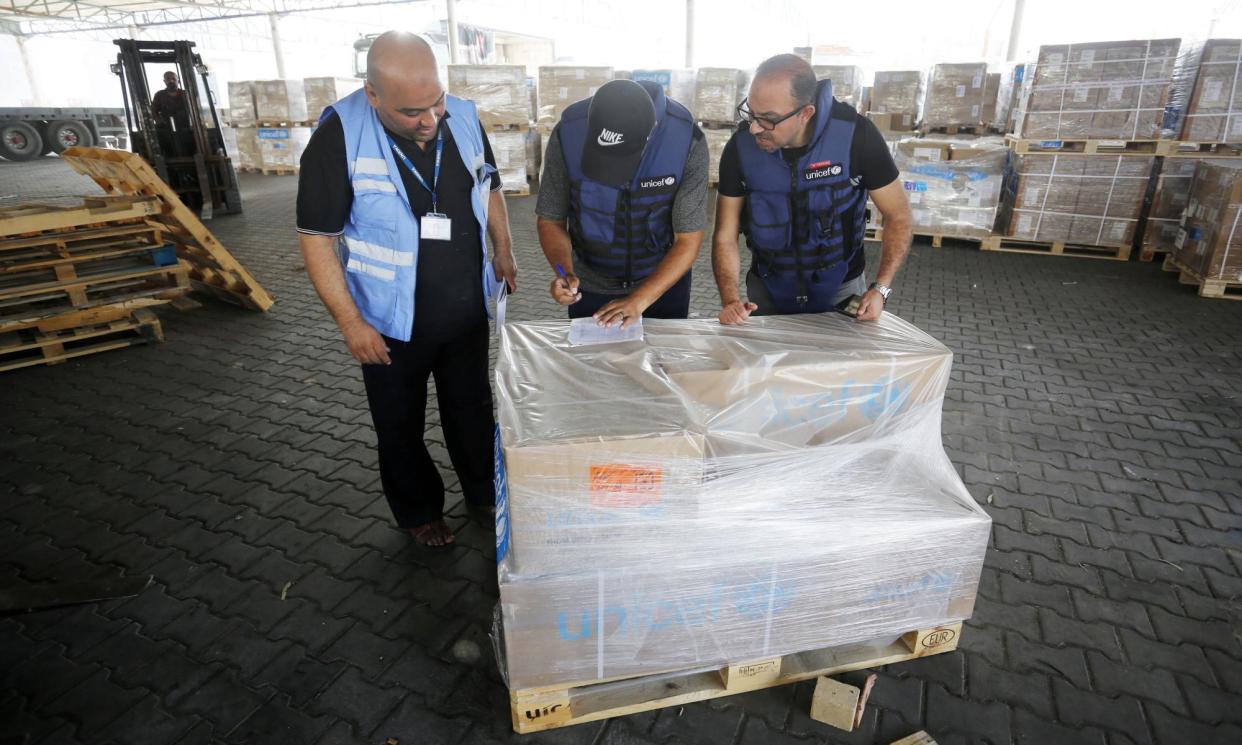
(675, 303)
(397, 395)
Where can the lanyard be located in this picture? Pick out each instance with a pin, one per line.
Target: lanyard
(435, 175)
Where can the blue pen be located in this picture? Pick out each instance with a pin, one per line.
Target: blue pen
(560, 270)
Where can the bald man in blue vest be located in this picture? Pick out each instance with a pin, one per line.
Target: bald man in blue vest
(397, 199)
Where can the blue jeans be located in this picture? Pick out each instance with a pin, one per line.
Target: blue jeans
(674, 303)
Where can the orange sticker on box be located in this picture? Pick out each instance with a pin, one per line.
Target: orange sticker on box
(625, 485)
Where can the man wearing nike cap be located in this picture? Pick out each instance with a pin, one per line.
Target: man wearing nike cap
(622, 203)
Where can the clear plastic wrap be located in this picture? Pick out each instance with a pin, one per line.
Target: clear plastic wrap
(956, 95)
(1168, 201)
(678, 84)
(509, 147)
(279, 101)
(281, 147)
(562, 85)
(1210, 241)
(499, 92)
(1101, 90)
(1213, 89)
(897, 92)
(717, 92)
(241, 103)
(716, 141)
(1007, 98)
(953, 187)
(714, 494)
(1088, 199)
(323, 92)
(534, 152)
(847, 82)
(992, 115)
(246, 140)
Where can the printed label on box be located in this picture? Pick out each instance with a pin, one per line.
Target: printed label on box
(960, 91)
(625, 485)
(974, 111)
(1212, 88)
(1237, 124)
(1024, 223)
(977, 80)
(1088, 56)
(927, 153)
(273, 134)
(1115, 91)
(580, 73)
(1180, 240)
(563, 93)
(1080, 94)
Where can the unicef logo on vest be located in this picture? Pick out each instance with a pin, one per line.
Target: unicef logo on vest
(823, 169)
(661, 182)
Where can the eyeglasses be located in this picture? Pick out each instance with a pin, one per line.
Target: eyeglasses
(766, 123)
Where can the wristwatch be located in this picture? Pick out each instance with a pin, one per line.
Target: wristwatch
(884, 290)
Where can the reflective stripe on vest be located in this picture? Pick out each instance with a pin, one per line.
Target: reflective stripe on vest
(379, 246)
(625, 233)
(804, 224)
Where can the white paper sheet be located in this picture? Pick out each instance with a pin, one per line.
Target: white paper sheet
(587, 331)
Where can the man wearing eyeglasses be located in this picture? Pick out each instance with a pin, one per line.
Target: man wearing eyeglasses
(397, 198)
(794, 180)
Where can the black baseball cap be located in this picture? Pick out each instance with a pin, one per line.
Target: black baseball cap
(619, 121)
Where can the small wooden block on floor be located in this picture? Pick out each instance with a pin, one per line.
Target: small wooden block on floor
(918, 738)
(835, 703)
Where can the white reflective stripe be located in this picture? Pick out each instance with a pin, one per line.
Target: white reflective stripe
(379, 253)
(378, 272)
(367, 183)
(373, 166)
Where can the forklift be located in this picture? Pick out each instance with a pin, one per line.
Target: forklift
(192, 161)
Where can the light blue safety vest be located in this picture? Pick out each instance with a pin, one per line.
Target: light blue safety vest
(379, 247)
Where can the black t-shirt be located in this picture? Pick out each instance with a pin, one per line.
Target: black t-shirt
(449, 295)
(871, 165)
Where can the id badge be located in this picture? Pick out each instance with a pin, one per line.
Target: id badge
(436, 227)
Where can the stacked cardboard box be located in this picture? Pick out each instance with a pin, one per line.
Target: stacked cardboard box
(1215, 110)
(534, 153)
(667, 511)
(955, 96)
(892, 122)
(246, 140)
(717, 92)
(1210, 242)
(954, 187)
(323, 92)
(716, 141)
(281, 147)
(678, 84)
(560, 86)
(1088, 199)
(1169, 199)
(241, 103)
(499, 92)
(847, 82)
(991, 100)
(509, 148)
(1007, 98)
(898, 93)
(279, 101)
(1104, 90)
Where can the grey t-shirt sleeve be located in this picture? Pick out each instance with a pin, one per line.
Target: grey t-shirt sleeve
(553, 202)
(690, 201)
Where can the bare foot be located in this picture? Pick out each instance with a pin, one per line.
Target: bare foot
(435, 534)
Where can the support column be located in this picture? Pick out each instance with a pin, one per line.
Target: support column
(35, 95)
(689, 34)
(451, 8)
(277, 50)
(1015, 30)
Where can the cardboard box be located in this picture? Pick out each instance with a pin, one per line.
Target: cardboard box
(662, 504)
(499, 92)
(323, 92)
(893, 121)
(1215, 110)
(281, 147)
(677, 84)
(246, 140)
(509, 148)
(717, 92)
(1170, 196)
(991, 96)
(716, 141)
(241, 103)
(954, 187)
(847, 82)
(1088, 199)
(897, 91)
(279, 101)
(560, 86)
(1210, 241)
(956, 95)
(1104, 90)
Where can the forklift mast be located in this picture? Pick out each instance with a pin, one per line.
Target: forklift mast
(193, 162)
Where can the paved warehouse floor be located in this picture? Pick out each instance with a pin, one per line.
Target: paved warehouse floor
(1094, 410)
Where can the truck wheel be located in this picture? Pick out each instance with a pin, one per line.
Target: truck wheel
(20, 141)
(66, 134)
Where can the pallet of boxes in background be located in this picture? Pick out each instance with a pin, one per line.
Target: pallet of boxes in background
(1207, 249)
(661, 521)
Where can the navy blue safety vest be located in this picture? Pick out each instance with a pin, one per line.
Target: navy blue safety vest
(805, 223)
(624, 233)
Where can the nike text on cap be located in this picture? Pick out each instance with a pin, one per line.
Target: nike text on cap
(619, 121)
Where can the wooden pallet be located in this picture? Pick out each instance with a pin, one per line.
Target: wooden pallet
(69, 247)
(270, 170)
(210, 264)
(21, 220)
(27, 348)
(516, 191)
(937, 239)
(1151, 253)
(1054, 248)
(1220, 289)
(954, 129)
(1085, 147)
(1201, 149)
(549, 707)
(493, 126)
(718, 125)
